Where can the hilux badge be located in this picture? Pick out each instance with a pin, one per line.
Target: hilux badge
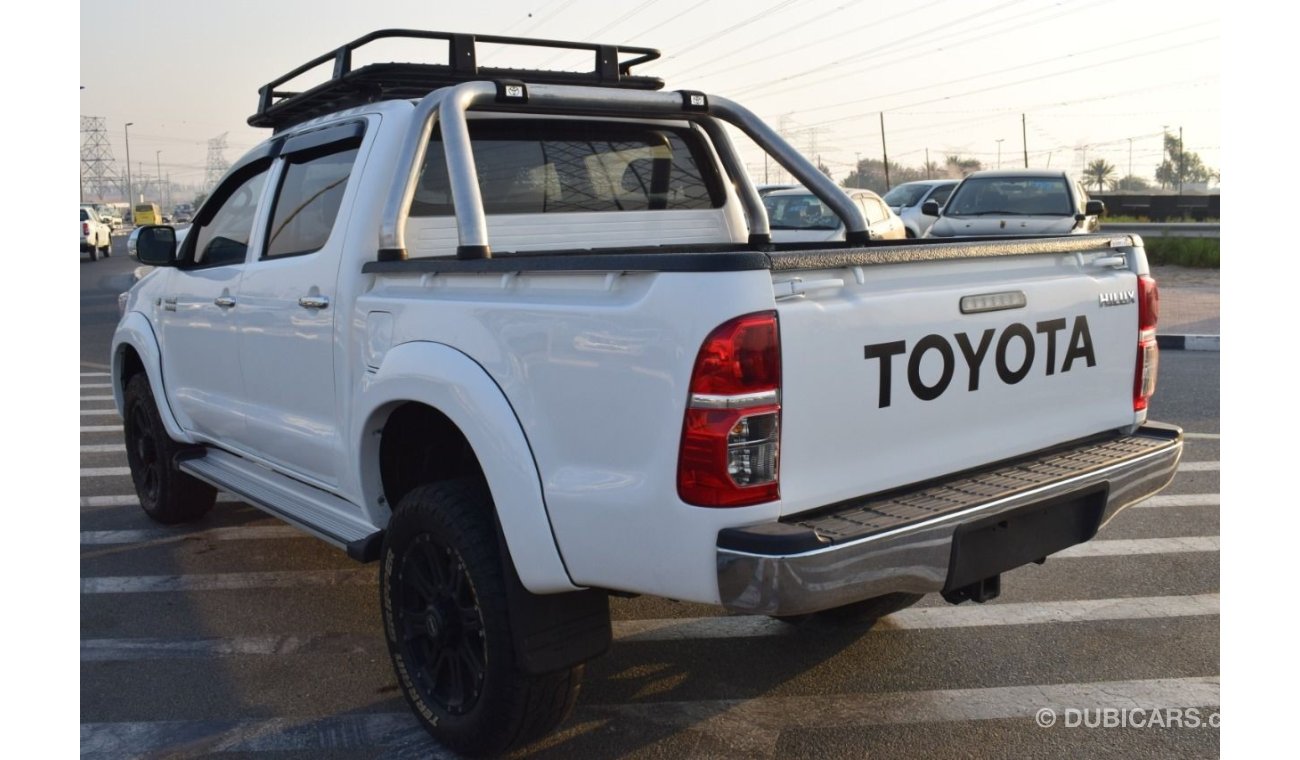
(1118, 298)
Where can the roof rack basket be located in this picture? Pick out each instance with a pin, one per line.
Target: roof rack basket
(349, 87)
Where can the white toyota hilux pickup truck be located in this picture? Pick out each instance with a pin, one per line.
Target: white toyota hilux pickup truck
(522, 337)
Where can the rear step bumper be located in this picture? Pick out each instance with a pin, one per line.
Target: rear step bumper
(939, 535)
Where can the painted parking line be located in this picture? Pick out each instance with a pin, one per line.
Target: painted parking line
(84, 386)
(1181, 500)
(103, 448)
(684, 629)
(1198, 466)
(131, 500)
(101, 428)
(242, 533)
(96, 398)
(141, 584)
(99, 413)
(307, 578)
(1202, 436)
(1125, 546)
(104, 472)
(95, 374)
(931, 618)
(746, 726)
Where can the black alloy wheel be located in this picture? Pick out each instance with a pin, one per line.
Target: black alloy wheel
(441, 625)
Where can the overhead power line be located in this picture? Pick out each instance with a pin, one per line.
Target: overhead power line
(1038, 78)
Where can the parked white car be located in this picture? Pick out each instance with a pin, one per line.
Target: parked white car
(906, 201)
(798, 216)
(1017, 202)
(96, 236)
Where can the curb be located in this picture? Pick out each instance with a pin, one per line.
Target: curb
(1188, 342)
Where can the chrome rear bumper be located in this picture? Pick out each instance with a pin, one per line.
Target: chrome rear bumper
(903, 540)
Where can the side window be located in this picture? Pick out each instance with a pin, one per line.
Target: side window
(875, 211)
(307, 202)
(940, 196)
(224, 239)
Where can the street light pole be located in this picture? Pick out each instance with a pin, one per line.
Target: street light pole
(999, 142)
(1180, 160)
(130, 198)
(1164, 147)
(157, 158)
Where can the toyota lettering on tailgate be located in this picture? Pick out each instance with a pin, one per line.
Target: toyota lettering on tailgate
(975, 351)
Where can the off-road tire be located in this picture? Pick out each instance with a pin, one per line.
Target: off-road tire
(107, 251)
(94, 253)
(166, 494)
(442, 595)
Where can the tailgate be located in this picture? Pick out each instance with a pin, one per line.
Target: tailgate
(910, 371)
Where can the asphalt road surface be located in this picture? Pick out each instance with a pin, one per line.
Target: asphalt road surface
(238, 635)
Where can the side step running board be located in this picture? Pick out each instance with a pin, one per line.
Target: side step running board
(322, 514)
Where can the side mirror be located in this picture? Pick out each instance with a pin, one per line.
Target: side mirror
(1094, 208)
(156, 246)
(930, 208)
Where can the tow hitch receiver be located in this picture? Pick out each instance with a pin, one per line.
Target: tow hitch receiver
(980, 591)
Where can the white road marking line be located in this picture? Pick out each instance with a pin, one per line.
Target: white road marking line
(926, 618)
(754, 723)
(84, 386)
(683, 629)
(305, 578)
(104, 472)
(99, 413)
(1197, 466)
(96, 398)
(241, 533)
(131, 500)
(227, 581)
(1125, 546)
(1181, 500)
(95, 374)
(103, 448)
(1202, 436)
(116, 650)
(101, 428)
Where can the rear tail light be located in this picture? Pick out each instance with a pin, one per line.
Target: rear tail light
(731, 437)
(1148, 354)
(85, 228)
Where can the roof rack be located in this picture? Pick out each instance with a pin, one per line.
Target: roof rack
(349, 87)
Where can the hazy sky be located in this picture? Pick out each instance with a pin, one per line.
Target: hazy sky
(1093, 77)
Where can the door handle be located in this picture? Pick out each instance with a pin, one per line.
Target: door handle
(169, 304)
(314, 302)
(224, 302)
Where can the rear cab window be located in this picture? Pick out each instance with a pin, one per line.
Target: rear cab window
(530, 166)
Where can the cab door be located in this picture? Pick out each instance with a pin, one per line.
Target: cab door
(288, 316)
(197, 314)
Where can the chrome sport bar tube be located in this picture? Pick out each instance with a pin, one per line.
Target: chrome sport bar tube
(449, 107)
(855, 224)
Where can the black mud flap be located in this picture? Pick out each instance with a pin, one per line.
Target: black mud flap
(983, 549)
(554, 631)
